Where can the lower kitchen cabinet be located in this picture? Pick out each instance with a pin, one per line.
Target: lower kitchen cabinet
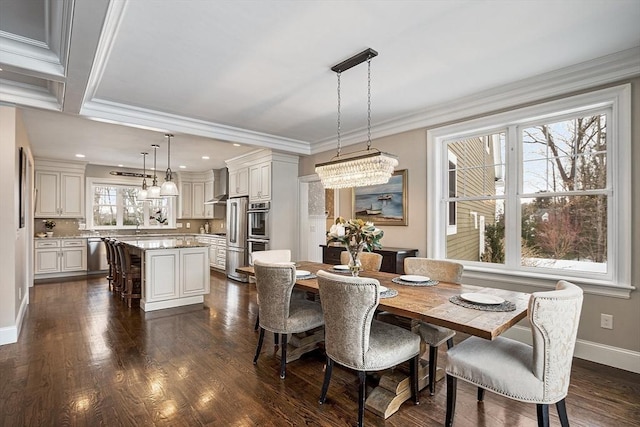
(56, 256)
(217, 250)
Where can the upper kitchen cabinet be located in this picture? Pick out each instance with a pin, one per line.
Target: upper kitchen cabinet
(59, 189)
(238, 181)
(195, 189)
(260, 182)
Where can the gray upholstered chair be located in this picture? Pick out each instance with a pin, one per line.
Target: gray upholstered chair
(355, 340)
(279, 313)
(537, 374)
(435, 336)
(370, 261)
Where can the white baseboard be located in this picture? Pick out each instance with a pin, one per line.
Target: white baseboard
(594, 352)
(10, 334)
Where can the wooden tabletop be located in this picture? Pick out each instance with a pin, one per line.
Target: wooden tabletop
(431, 303)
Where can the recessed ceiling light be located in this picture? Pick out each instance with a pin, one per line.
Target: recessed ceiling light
(80, 156)
(182, 167)
(236, 144)
(205, 157)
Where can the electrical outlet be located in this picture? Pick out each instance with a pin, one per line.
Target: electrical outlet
(221, 225)
(179, 225)
(19, 294)
(188, 225)
(606, 321)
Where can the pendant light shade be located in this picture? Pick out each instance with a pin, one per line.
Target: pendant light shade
(153, 192)
(169, 188)
(142, 193)
(361, 168)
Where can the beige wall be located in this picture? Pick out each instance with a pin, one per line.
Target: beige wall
(15, 262)
(411, 149)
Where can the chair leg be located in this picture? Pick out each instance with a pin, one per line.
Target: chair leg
(283, 358)
(362, 389)
(257, 325)
(480, 394)
(451, 400)
(562, 413)
(327, 380)
(413, 372)
(260, 339)
(276, 342)
(433, 364)
(543, 415)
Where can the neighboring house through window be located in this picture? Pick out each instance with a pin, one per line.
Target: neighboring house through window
(548, 185)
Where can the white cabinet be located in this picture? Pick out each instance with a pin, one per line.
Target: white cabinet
(260, 182)
(239, 182)
(217, 250)
(59, 192)
(55, 256)
(195, 189)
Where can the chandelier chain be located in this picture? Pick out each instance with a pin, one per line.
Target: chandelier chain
(368, 103)
(339, 142)
(144, 170)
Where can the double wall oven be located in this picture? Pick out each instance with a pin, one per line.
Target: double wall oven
(258, 219)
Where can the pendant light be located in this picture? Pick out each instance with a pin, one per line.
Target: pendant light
(153, 192)
(169, 188)
(360, 168)
(142, 194)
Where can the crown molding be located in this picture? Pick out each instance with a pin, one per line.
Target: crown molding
(31, 57)
(20, 94)
(607, 69)
(149, 119)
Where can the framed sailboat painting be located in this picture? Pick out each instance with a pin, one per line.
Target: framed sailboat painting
(383, 204)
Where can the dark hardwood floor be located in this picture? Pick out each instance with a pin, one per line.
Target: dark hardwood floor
(84, 358)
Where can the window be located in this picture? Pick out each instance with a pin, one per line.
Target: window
(116, 206)
(546, 182)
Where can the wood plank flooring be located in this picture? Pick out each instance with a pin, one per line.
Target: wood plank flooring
(86, 359)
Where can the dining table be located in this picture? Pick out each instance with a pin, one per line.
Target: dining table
(438, 303)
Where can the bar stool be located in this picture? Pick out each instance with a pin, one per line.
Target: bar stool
(117, 267)
(109, 261)
(131, 275)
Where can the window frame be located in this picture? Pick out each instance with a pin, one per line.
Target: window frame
(110, 182)
(617, 282)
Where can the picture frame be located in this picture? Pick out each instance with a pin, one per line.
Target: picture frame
(22, 187)
(383, 204)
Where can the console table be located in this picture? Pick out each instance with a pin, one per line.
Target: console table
(392, 258)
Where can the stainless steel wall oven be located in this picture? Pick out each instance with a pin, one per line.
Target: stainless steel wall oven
(258, 216)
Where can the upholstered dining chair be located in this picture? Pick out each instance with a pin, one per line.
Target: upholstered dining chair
(279, 313)
(371, 261)
(355, 340)
(435, 336)
(272, 256)
(537, 374)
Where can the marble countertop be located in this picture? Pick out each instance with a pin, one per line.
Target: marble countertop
(167, 243)
(132, 236)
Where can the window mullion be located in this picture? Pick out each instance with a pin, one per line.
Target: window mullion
(512, 212)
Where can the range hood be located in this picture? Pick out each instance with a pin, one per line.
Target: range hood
(220, 187)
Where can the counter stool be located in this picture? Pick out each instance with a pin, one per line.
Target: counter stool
(131, 275)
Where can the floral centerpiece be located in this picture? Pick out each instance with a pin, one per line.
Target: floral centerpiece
(160, 217)
(49, 225)
(356, 235)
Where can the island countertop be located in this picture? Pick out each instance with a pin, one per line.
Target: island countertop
(147, 244)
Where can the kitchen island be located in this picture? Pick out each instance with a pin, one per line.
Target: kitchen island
(175, 272)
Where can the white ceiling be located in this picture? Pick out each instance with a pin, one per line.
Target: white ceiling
(258, 72)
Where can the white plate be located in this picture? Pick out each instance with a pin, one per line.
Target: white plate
(341, 267)
(482, 298)
(302, 273)
(383, 289)
(414, 278)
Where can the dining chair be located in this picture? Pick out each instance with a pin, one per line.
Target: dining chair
(272, 256)
(538, 373)
(435, 336)
(354, 339)
(278, 311)
(370, 261)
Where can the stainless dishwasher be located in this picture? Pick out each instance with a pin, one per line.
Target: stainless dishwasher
(96, 256)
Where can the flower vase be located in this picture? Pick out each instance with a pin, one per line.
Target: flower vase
(355, 265)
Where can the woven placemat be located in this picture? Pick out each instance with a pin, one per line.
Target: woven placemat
(505, 306)
(399, 281)
(389, 293)
(308, 276)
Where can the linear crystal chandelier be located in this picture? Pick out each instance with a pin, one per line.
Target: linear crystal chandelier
(360, 168)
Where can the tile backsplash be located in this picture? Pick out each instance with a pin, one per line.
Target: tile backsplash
(70, 227)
